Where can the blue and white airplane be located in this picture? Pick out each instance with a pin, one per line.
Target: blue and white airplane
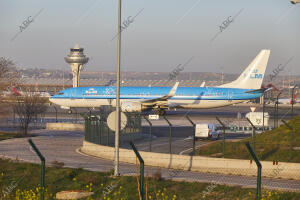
(137, 99)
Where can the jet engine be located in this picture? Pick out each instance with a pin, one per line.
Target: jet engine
(131, 107)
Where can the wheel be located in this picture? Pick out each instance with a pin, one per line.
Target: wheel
(159, 112)
(156, 112)
(70, 111)
(162, 112)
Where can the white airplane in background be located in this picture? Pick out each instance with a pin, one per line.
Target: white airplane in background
(289, 100)
(136, 99)
(15, 92)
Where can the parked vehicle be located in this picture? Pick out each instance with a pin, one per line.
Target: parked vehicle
(206, 131)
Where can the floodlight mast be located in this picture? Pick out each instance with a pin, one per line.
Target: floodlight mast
(117, 132)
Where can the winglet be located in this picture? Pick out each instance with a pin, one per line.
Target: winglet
(164, 98)
(173, 90)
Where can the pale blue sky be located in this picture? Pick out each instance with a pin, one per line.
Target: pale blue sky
(165, 34)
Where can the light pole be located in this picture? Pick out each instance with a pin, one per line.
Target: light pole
(117, 132)
(292, 99)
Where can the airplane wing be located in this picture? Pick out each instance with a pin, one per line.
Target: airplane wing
(163, 98)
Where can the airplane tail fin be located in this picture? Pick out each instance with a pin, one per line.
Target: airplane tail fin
(253, 75)
(294, 100)
(16, 92)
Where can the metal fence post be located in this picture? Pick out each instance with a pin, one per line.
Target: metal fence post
(258, 187)
(194, 136)
(99, 129)
(224, 129)
(291, 132)
(42, 158)
(264, 104)
(276, 111)
(76, 115)
(253, 133)
(55, 114)
(170, 135)
(140, 122)
(85, 127)
(88, 131)
(274, 115)
(14, 120)
(292, 102)
(150, 132)
(131, 126)
(107, 136)
(141, 169)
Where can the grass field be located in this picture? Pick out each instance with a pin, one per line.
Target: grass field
(272, 145)
(21, 181)
(5, 136)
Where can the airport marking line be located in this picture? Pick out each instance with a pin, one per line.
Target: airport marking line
(181, 153)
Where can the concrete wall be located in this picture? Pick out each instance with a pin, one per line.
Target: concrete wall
(65, 126)
(197, 163)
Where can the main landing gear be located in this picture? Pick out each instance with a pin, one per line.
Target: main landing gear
(159, 112)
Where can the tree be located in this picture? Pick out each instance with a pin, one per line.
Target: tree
(8, 74)
(8, 78)
(27, 107)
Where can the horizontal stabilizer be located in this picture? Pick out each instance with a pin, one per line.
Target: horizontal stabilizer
(262, 90)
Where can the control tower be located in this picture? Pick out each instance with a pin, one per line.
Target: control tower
(76, 60)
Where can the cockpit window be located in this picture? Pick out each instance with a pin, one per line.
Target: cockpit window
(60, 93)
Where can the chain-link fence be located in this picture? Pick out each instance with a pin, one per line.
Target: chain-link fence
(97, 130)
(71, 169)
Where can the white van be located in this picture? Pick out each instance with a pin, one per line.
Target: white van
(206, 131)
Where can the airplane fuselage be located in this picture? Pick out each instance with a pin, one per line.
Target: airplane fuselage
(185, 97)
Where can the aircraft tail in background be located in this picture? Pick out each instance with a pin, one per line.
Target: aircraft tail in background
(253, 75)
(16, 92)
(294, 100)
